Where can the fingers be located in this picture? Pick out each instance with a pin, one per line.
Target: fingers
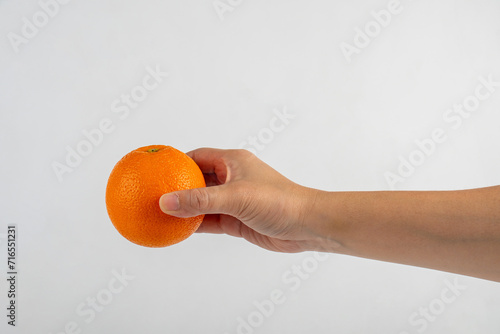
(210, 224)
(206, 158)
(218, 197)
(195, 202)
(212, 161)
(220, 224)
(212, 180)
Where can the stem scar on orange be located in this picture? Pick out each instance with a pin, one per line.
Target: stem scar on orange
(135, 186)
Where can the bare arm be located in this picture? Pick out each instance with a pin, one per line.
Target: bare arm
(455, 231)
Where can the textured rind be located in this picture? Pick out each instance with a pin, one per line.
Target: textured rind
(135, 186)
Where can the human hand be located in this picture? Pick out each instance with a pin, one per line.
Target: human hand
(246, 198)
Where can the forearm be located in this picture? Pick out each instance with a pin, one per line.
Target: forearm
(455, 231)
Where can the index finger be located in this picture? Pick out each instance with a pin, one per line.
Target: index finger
(207, 158)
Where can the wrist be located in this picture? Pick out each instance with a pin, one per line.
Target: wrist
(321, 222)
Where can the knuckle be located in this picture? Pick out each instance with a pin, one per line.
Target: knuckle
(199, 199)
(246, 199)
(246, 154)
(241, 154)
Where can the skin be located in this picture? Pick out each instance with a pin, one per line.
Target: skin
(453, 231)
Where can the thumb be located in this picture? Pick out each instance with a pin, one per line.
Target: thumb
(195, 202)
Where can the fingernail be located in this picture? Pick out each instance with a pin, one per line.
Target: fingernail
(169, 202)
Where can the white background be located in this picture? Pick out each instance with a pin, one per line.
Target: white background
(226, 76)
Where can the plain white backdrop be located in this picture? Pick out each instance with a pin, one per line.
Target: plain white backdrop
(231, 66)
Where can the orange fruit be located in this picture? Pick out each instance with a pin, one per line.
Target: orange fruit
(135, 186)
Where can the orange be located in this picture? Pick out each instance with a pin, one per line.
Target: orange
(135, 186)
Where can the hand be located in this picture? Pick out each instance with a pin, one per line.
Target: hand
(245, 198)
